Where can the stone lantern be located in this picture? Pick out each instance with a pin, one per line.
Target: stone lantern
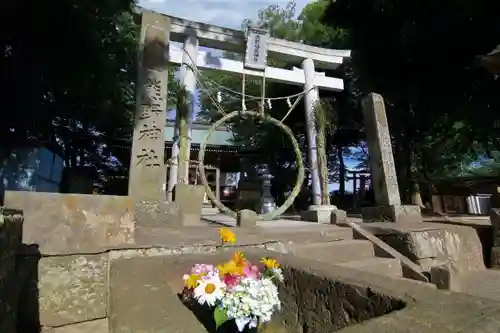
(267, 203)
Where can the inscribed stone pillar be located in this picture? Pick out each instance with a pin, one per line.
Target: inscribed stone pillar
(147, 166)
(384, 180)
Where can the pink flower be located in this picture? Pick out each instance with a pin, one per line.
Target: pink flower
(231, 280)
(204, 269)
(252, 272)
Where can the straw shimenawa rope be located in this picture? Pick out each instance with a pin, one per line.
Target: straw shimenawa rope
(300, 165)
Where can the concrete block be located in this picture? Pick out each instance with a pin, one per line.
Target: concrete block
(445, 277)
(338, 216)
(190, 200)
(246, 218)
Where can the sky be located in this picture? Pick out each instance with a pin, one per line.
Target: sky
(225, 13)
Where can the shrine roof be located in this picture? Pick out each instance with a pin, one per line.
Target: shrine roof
(221, 137)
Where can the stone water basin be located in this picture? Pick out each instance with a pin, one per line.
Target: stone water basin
(143, 297)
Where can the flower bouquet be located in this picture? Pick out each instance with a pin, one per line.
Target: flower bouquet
(236, 290)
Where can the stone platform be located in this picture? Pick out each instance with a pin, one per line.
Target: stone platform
(96, 268)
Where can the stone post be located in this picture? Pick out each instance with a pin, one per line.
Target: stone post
(179, 168)
(311, 98)
(385, 183)
(316, 212)
(147, 166)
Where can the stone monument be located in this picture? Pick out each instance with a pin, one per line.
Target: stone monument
(147, 166)
(385, 183)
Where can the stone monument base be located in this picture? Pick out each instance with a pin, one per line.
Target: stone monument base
(318, 213)
(392, 213)
(158, 214)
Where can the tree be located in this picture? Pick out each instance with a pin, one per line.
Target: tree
(69, 81)
(421, 56)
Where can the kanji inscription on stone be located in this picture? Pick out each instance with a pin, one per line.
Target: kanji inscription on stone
(149, 158)
(150, 131)
(380, 150)
(147, 167)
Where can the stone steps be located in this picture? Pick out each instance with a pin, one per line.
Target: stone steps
(342, 232)
(336, 252)
(382, 266)
(353, 253)
(357, 254)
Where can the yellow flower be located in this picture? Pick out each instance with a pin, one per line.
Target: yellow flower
(227, 236)
(270, 263)
(239, 258)
(192, 281)
(231, 268)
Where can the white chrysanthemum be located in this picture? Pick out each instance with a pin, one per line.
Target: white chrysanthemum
(251, 301)
(209, 290)
(278, 274)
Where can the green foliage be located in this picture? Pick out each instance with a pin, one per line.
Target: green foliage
(220, 317)
(68, 83)
(319, 34)
(421, 56)
(69, 80)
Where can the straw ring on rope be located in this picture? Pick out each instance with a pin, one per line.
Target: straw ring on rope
(300, 165)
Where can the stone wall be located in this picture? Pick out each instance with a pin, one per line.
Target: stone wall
(495, 238)
(432, 245)
(74, 223)
(137, 291)
(10, 240)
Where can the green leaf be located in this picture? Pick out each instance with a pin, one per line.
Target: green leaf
(220, 317)
(1, 219)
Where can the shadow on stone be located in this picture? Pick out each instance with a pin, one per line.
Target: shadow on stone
(204, 315)
(28, 308)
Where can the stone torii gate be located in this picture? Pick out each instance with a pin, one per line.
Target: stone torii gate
(147, 169)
